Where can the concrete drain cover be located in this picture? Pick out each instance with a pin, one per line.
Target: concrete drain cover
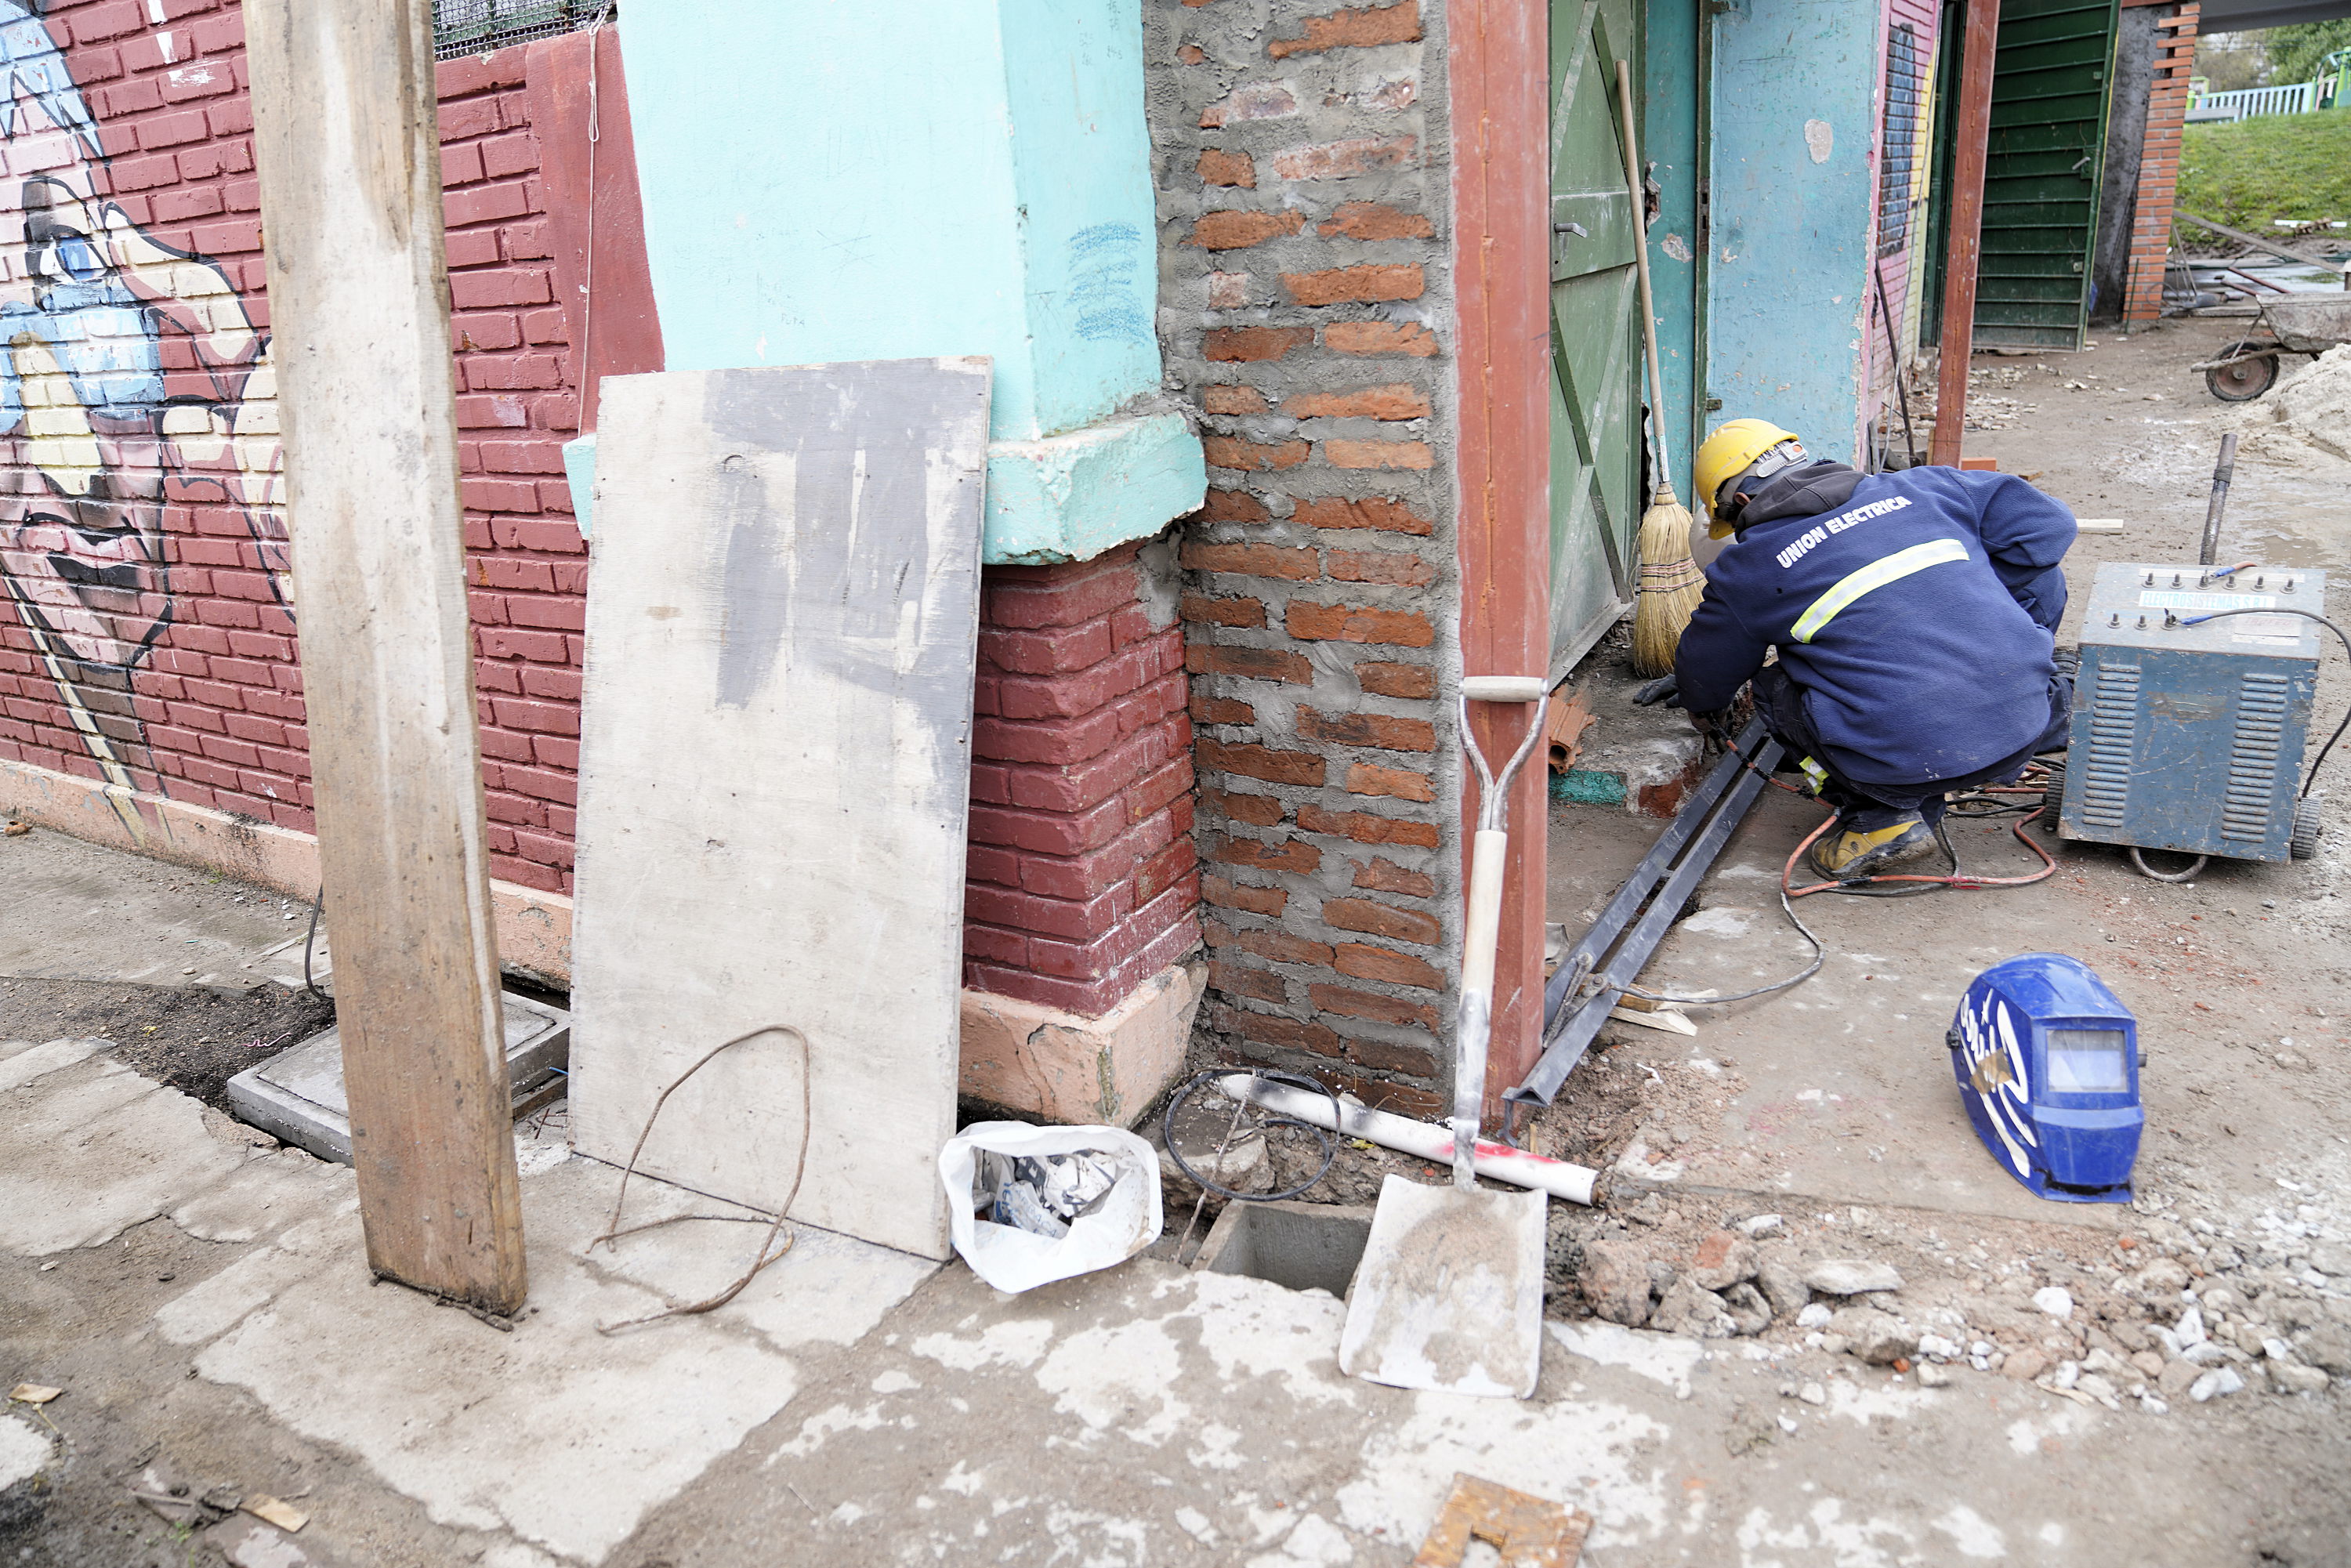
(298, 1094)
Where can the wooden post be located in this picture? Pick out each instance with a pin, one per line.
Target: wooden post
(1501, 210)
(1965, 236)
(348, 149)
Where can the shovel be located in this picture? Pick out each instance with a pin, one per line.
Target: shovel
(1450, 1293)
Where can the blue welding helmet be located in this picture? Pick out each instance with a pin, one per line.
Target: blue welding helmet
(2047, 1061)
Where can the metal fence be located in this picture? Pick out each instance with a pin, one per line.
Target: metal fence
(477, 26)
(2297, 97)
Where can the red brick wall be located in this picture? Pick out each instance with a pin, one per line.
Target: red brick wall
(1304, 307)
(1083, 880)
(2158, 168)
(213, 714)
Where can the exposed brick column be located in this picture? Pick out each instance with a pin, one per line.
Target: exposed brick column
(1303, 291)
(2159, 167)
(1083, 880)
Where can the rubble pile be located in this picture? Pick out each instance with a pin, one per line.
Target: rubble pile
(2306, 417)
(2179, 1311)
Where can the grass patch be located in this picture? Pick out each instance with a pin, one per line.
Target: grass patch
(2278, 166)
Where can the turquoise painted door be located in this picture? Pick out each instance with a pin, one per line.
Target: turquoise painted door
(1596, 407)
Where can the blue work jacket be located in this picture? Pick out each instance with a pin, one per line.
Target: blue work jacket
(1917, 610)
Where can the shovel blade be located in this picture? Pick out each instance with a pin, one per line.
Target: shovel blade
(1450, 1293)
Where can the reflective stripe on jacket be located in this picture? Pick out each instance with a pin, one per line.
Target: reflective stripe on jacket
(1917, 616)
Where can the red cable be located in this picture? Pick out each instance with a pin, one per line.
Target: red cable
(2048, 867)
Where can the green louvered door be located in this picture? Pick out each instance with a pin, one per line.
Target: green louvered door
(1596, 407)
(2040, 171)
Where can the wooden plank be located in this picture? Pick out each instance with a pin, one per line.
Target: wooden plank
(2341, 269)
(349, 154)
(775, 780)
(1964, 236)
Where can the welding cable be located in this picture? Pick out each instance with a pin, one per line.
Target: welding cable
(1954, 879)
(1820, 956)
(2307, 616)
(1872, 886)
(1329, 1150)
(309, 942)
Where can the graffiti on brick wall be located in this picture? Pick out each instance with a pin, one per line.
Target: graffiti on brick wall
(134, 384)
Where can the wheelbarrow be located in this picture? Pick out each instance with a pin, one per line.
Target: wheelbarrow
(2294, 324)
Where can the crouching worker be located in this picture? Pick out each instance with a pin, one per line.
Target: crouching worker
(1914, 617)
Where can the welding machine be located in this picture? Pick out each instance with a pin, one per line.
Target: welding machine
(2190, 736)
(2047, 1060)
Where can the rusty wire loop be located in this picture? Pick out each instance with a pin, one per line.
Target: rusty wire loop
(613, 1231)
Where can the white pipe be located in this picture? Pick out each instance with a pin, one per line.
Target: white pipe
(1430, 1141)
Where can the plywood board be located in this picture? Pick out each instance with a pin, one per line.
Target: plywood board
(775, 780)
(348, 157)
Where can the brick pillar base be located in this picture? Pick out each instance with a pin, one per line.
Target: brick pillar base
(2158, 166)
(1083, 882)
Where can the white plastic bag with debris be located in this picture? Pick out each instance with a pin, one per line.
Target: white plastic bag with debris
(1028, 1206)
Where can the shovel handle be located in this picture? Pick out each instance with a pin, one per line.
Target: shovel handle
(1490, 849)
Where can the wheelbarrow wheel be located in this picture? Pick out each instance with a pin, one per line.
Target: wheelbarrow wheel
(2246, 379)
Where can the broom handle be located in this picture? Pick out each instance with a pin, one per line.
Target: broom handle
(1641, 261)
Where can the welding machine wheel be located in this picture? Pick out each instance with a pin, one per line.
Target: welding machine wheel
(2052, 801)
(2304, 845)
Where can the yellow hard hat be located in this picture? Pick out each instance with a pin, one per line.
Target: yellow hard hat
(1729, 452)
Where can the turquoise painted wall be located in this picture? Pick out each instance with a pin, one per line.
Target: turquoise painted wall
(1672, 71)
(831, 180)
(1792, 118)
(875, 179)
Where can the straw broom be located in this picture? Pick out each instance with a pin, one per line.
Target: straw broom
(1670, 582)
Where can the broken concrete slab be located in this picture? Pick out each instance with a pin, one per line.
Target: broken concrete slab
(1852, 1276)
(21, 1061)
(247, 1542)
(590, 1432)
(263, 1197)
(116, 1150)
(24, 1455)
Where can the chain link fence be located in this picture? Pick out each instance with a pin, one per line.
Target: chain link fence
(477, 26)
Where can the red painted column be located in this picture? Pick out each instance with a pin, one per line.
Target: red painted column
(1966, 238)
(597, 232)
(1498, 70)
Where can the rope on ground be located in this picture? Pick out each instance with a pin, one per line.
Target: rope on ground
(613, 1231)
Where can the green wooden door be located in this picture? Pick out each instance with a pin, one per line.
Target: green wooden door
(1596, 407)
(2042, 164)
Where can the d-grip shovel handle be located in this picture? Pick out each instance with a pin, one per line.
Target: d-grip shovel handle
(1490, 850)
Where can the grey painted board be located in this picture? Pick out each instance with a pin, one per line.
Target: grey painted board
(783, 618)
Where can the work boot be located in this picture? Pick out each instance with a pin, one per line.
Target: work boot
(1842, 856)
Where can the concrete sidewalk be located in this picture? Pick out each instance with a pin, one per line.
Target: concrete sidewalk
(202, 1299)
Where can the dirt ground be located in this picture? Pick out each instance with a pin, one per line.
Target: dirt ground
(191, 1037)
(2025, 1389)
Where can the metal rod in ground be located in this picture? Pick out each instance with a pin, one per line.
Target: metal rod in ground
(1901, 380)
(2222, 473)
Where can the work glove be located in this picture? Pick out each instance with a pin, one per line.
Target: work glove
(1666, 689)
(1714, 729)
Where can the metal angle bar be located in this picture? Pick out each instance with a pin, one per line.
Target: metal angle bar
(1571, 1033)
(1653, 870)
